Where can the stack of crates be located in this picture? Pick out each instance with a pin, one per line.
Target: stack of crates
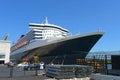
(68, 71)
(82, 71)
(60, 71)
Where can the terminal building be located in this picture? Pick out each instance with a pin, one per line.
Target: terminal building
(4, 51)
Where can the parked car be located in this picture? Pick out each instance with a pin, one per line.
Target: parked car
(22, 65)
(32, 67)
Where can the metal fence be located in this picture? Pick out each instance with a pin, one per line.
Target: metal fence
(9, 72)
(99, 62)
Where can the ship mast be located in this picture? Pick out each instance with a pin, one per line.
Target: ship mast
(46, 21)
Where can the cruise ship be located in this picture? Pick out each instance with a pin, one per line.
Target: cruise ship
(52, 43)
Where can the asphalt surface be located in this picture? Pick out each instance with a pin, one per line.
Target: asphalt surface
(7, 73)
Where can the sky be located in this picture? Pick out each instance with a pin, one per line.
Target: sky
(78, 16)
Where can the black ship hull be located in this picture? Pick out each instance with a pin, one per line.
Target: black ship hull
(64, 51)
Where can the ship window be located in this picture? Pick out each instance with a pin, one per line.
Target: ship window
(39, 38)
(38, 31)
(38, 35)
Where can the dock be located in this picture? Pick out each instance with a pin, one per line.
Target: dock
(19, 74)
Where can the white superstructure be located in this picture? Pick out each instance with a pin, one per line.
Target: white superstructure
(47, 31)
(40, 32)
